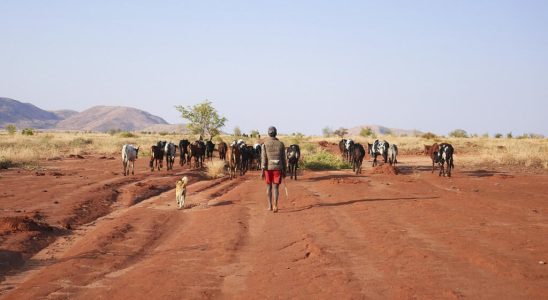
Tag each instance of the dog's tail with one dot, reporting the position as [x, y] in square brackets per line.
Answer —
[184, 181]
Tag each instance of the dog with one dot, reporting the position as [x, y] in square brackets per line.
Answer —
[180, 192]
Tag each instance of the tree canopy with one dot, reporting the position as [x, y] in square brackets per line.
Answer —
[203, 119]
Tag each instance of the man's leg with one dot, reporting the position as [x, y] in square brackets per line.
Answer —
[269, 195]
[276, 194]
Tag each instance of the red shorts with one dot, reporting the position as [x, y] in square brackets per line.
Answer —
[273, 176]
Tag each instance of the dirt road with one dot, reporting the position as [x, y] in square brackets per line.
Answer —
[479, 234]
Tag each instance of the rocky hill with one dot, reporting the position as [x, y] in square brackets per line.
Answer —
[25, 115]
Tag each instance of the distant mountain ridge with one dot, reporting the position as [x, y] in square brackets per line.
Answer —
[25, 115]
[378, 129]
[97, 118]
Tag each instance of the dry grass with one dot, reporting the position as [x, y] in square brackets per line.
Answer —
[215, 169]
[19, 150]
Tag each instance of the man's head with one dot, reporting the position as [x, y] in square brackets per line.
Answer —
[272, 131]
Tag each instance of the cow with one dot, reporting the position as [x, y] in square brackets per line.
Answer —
[197, 150]
[129, 155]
[209, 147]
[357, 158]
[293, 153]
[444, 157]
[244, 157]
[170, 151]
[157, 155]
[349, 148]
[250, 157]
[222, 150]
[342, 148]
[233, 159]
[183, 152]
[257, 153]
[393, 154]
[433, 153]
[378, 148]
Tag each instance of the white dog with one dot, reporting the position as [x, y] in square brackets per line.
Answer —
[180, 192]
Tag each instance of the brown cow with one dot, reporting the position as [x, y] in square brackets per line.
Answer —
[233, 154]
[432, 151]
[222, 150]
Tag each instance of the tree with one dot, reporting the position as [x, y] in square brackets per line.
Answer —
[327, 132]
[458, 133]
[498, 135]
[203, 117]
[11, 129]
[27, 131]
[341, 132]
[237, 131]
[254, 133]
[509, 135]
[367, 131]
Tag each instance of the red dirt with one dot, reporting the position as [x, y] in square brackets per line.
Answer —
[478, 234]
[385, 169]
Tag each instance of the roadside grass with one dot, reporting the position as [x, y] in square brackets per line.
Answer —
[215, 169]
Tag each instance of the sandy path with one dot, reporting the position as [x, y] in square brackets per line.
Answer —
[476, 235]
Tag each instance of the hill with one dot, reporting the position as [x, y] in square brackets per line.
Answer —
[104, 118]
[25, 115]
[378, 129]
[64, 113]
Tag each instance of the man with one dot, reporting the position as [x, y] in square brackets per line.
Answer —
[273, 166]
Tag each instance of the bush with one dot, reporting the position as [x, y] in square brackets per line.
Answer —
[509, 135]
[11, 129]
[27, 131]
[429, 136]
[498, 135]
[458, 133]
[127, 134]
[114, 131]
[78, 142]
[6, 163]
[366, 132]
[323, 160]
[215, 169]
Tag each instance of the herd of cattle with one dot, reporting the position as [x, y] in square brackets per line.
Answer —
[239, 156]
[354, 154]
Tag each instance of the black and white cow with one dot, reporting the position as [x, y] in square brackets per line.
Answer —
[293, 154]
[257, 153]
[444, 157]
[357, 158]
[342, 148]
[170, 151]
[393, 154]
[183, 152]
[378, 148]
[157, 155]
[349, 149]
[129, 155]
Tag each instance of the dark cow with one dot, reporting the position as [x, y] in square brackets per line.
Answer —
[293, 153]
[170, 151]
[244, 157]
[197, 151]
[157, 155]
[223, 147]
[433, 153]
[393, 154]
[357, 158]
[444, 157]
[183, 152]
[378, 148]
[209, 147]
[257, 155]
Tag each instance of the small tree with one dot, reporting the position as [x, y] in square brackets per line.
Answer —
[458, 133]
[254, 134]
[341, 132]
[11, 129]
[367, 131]
[237, 131]
[327, 132]
[498, 135]
[203, 117]
[509, 135]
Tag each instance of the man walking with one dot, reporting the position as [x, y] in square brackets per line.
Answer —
[273, 166]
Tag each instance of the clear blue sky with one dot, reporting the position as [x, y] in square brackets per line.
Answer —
[301, 65]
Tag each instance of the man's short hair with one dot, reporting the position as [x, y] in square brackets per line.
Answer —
[272, 131]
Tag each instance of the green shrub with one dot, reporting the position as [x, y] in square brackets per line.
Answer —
[127, 134]
[323, 160]
[27, 131]
[458, 133]
[11, 129]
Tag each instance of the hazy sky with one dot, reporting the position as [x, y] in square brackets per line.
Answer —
[301, 65]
